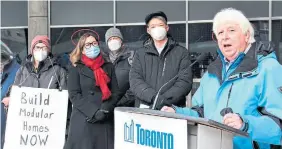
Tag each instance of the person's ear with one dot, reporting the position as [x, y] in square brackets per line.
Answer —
[148, 30]
[247, 36]
[167, 28]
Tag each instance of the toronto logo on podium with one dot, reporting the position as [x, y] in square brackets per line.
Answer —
[134, 133]
[129, 132]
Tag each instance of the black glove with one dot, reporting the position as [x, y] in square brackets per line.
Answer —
[99, 116]
[109, 105]
[127, 100]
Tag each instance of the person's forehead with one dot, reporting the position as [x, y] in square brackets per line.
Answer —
[90, 39]
[228, 24]
[40, 45]
[155, 21]
[114, 37]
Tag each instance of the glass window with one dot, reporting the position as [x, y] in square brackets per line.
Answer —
[276, 8]
[16, 40]
[200, 41]
[210, 8]
[61, 38]
[14, 13]
[277, 38]
[135, 35]
[261, 30]
[81, 12]
[136, 11]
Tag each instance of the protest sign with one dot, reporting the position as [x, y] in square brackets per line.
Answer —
[36, 118]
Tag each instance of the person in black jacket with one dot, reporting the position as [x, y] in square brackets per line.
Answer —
[93, 91]
[160, 60]
[122, 58]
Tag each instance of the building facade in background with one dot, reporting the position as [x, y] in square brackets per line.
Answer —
[190, 23]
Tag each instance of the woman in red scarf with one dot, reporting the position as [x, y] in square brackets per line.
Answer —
[93, 91]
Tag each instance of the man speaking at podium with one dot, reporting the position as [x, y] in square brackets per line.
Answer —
[243, 86]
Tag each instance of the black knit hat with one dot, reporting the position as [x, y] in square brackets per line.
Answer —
[155, 14]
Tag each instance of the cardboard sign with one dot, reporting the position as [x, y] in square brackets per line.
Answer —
[140, 131]
[36, 118]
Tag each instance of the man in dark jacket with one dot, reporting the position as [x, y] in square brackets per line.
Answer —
[122, 58]
[160, 73]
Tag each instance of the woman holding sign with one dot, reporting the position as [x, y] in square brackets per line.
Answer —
[93, 91]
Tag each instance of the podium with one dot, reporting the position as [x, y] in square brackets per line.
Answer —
[147, 129]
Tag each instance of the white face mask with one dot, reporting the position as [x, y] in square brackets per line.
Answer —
[40, 55]
[158, 33]
[114, 45]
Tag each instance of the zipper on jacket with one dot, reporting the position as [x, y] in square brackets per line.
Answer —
[164, 67]
[50, 82]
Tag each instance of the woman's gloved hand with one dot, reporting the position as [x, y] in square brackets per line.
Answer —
[100, 115]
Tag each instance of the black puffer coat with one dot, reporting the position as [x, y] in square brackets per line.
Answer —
[151, 70]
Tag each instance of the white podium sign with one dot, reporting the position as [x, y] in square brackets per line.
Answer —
[36, 119]
[138, 131]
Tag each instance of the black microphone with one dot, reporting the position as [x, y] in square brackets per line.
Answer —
[200, 58]
[227, 110]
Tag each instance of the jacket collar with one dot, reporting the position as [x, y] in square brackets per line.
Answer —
[45, 65]
[246, 63]
[125, 53]
[84, 70]
[150, 46]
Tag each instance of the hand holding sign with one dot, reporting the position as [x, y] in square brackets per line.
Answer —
[6, 101]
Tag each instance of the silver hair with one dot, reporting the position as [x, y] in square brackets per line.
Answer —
[234, 15]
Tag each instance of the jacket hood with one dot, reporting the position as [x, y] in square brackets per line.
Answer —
[43, 66]
[125, 54]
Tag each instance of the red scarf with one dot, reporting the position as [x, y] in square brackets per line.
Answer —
[100, 76]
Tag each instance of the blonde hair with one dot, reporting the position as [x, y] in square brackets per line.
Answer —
[75, 55]
[231, 14]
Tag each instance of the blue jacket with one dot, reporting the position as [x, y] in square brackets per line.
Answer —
[256, 95]
[7, 79]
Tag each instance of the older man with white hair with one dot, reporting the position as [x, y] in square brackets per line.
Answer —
[242, 87]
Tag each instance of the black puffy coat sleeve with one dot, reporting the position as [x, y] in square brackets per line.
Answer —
[183, 84]
[138, 86]
[127, 99]
[79, 102]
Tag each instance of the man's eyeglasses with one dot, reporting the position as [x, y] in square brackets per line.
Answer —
[88, 45]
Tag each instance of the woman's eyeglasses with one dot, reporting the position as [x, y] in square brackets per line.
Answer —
[88, 45]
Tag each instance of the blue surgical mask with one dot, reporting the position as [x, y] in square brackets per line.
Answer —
[92, 52]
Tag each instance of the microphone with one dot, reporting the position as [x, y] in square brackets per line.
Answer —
[227, 110]
[200, 58]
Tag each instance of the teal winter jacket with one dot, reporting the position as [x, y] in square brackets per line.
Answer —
[254, 84]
